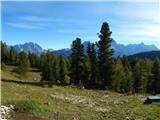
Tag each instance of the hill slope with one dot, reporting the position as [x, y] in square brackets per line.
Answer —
[146, 55]
[73, 103]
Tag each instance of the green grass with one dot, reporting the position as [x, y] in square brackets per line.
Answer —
[73, 102]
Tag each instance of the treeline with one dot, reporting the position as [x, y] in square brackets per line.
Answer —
[96, 70]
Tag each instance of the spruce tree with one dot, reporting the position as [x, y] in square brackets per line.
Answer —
[93, 64]
[33, 58]
[23, 64]
[128, 87]
[118, 82]
[86, 72]
[105, 56]
[77, 61]
[89, 49]
[13, 56]
[156, 76]
[48, 68]
[63, 72]
[140, 77]
[122, 81]
[4, 53]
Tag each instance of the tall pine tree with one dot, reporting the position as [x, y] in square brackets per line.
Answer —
[105, 56]
[13, 56]
[23, 64]
[4, 53]
[77, 62]
[93, 64]
[63, 72]
[156, 76]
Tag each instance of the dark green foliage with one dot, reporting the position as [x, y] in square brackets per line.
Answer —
[49, 68]
[141, 76]
[92, 70]
[4, 53]
[105, 56]
[137, 78]
[156, 76]
[92, 63]
[13, 56]
[86, 72]
[119, 77]
[77, 62]
[63, 72]
[23, 64]
[34, 60]
[93, 60]
[122, 80]
[128, 86]
[152, 55]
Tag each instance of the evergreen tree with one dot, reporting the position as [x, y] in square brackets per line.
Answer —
[140, 77]
[63, 72]
[125, 62]
[42, 60]
[122, 81]
[77, 61]
[13, 56]
[137, 77]
[89, 49]
[156, 76]
[93, 64]
[34, 60]
[56, 70]
[119, 77]
[86, 72]
[149, 76]
[4, 53]
[146, 73]
[23, 64]
[105, 56]
[48, 66]
[128, 80]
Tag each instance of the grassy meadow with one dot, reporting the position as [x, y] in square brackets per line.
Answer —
[71, 102]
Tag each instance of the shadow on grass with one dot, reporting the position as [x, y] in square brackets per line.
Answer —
[35, 70]
[36, 83]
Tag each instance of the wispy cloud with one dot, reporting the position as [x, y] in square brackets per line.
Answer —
[35, 19]
[76, 31]
[24, 26]
[139, 30]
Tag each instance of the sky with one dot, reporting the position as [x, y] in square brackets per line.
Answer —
[55, 25]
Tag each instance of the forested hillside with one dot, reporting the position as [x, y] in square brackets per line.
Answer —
[92, 71]
[152, 55]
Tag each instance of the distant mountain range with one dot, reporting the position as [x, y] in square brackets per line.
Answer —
[120, 49]
[30, 46]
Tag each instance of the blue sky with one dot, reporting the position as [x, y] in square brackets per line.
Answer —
[56, 24]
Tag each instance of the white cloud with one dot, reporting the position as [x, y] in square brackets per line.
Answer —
[76, 31]
[141, 30]
[25, 26]
[36, 19]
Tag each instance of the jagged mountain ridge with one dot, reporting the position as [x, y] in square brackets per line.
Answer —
[30, 46]
[120, 49]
